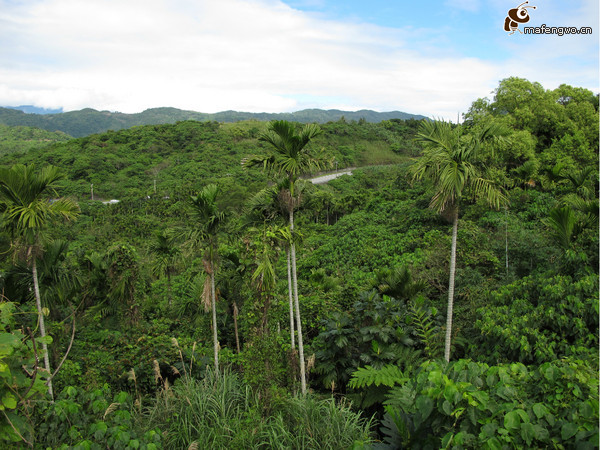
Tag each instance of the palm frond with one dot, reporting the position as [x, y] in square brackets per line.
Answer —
[488, 190]
[438, 133]
[562, 223]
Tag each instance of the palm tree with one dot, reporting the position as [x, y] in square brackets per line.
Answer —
[207, 220]
[264, 277]
[26, 213]
[291, 158]
[167, 254]
[270, 206]
[264, 208]
[123, 274]
[450, 160]
[397, 283]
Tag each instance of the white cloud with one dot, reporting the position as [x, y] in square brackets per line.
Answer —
[250, 55]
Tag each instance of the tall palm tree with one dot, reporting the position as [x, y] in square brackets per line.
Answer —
[290, 157]
[265, 207]
[207, 220]
[26, 212]
[270, 205]
[451, 161]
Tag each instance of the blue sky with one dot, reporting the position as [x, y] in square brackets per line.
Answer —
[432, 58]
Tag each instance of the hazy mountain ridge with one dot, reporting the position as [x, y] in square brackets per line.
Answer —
[90, 121]
[30, 109]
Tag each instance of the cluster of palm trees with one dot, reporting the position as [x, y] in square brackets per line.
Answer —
[290, 158]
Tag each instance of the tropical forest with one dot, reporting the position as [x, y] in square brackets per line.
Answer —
[276, 284]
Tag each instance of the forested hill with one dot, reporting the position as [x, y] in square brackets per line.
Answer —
[185, 155]
[89, 121]
[21, 139]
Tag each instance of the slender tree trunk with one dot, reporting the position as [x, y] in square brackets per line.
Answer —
[38, 304]
[506, 238]
[235, 327]
[169, 291]
[291, 297]
[297, 306]
[451, 285]
[214, 316]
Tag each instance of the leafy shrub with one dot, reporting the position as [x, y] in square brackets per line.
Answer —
[21, 378]
[380, 330]
[264, 365]
[466, 404]
[539, 319]
[90, 420]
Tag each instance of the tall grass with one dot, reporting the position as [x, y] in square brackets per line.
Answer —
[315, 424]
[223, 413]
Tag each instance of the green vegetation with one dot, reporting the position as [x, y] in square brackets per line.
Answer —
[188, 308]
[19, 139]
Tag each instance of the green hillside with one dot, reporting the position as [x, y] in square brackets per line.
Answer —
[186, 155]
[19, 139]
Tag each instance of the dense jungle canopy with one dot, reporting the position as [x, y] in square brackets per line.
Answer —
[176, 306]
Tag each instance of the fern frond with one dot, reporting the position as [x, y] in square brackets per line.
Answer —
[425, 328]
[389, 375]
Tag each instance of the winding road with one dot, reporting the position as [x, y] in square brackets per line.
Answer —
[322, 179]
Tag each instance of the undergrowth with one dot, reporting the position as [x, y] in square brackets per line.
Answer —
[222, 412]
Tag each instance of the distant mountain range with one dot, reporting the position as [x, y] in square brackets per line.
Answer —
[30, 109]
[89, 121]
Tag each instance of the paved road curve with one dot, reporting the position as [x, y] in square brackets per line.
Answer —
[326, 178]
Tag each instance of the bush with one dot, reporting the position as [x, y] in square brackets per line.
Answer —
[539, 319]
[92, 420]
[466, 404]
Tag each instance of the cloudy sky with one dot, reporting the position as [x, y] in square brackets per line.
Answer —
[423, 57]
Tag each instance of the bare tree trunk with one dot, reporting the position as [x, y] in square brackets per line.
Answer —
[214, 316]
[38, 304]
[451, 285]
[297, 306]
[291, 295]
